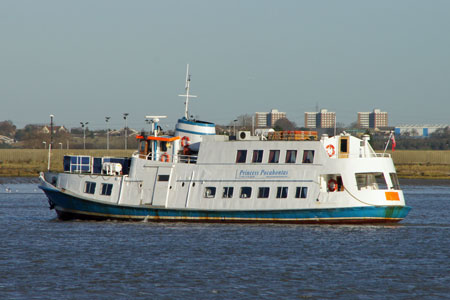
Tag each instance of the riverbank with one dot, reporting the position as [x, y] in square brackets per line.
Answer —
[29, 162]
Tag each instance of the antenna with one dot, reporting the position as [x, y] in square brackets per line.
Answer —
[154, 120]
[186, 102]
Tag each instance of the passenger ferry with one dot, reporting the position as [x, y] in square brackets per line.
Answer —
[196, 175]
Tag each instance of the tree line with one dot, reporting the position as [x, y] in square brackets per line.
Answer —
[32, 136]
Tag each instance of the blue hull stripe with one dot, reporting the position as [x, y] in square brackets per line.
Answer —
[184, 121]
[80, 208]
[193, 132]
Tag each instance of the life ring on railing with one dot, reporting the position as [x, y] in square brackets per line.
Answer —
[165, 157]
[332, 185]
[330, 150]
[185, 141]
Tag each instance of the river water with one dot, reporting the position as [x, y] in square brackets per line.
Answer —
[43, 258]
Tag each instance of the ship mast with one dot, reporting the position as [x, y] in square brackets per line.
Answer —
[186, 102]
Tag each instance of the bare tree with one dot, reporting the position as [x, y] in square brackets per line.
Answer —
[7, 128]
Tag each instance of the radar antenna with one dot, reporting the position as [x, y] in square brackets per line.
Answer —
[186, 102]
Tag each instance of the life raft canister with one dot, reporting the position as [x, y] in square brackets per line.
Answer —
[332, 185]
[165, 157]
[330, 150]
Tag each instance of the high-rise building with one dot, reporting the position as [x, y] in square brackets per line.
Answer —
[260, 119]
[374, 119]
[310, 119]
[322, 119]
[268, 119]
[363, 119]
[274, 116]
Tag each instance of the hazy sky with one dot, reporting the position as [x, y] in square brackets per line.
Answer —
[84, 60]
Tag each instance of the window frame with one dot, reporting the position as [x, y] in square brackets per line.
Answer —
[209, 192]
[106, 189]
[257, 156]
[307, 155]
[370, 181]
[227, 192]
[163, 177]
[394, 181]
[247, 188]
[289, 155]
[241, 156]
[274, 157]
[301, 192]
[89, 187]
[263, 192]
[282, 192]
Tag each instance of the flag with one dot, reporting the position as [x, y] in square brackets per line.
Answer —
[393, 142]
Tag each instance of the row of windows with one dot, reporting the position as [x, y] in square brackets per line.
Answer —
[274, 156]
[263, 192]
[89, 188]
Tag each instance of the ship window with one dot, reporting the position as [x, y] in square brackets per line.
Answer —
[106, 189]
[257, 156]
[89, 187]
[163, 177]
[263, 192]
[371, 181]
[163, 146]
[301, 192]
[344, 145]
[246, 192]
[227, 192]
[241, 156]
[291, 156]
[308, 156]
[394, 179]
[210, 192]
[282, 192]
[274, 156]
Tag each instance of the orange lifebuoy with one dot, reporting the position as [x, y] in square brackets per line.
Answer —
[165, 157]
[185, 141]
[332, 185]
[330, 150]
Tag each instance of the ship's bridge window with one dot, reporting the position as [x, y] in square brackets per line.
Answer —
[210, 192]
[301, 192]
[257, 156]
[246, 192]
[263, 192]
[274, 156]
[282, 192]
[241, 156]
[227, 192]
[371, 181]
[394, 180]
[89, 187]
[308, 156]
[291, 156]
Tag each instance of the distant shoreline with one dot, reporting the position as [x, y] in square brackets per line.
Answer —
[27, 163]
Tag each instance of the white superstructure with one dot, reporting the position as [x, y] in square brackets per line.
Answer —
[196, 175]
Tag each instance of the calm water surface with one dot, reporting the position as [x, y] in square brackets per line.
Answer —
[43, 258]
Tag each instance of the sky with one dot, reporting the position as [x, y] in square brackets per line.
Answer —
[84, 60]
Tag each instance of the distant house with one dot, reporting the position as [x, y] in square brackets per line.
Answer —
[6, 140]
[131, 132]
